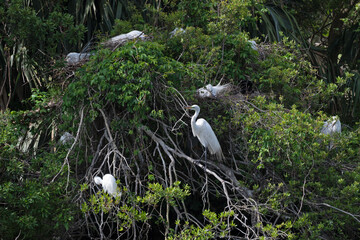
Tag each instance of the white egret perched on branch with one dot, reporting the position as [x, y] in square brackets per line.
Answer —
[203, 131]
[108, 183]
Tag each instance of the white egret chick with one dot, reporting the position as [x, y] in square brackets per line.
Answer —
[203, 131]
[109, 184]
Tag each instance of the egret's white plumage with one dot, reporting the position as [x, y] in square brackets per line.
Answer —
[74, 57]
[123, 38]
[203, 131]
[129, 36]
[213, 91]
[177, 31]
[108, 183]
[67, 138]
[331, 127]
[253, 45]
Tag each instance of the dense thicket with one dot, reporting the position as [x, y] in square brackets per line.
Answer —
[125, 109]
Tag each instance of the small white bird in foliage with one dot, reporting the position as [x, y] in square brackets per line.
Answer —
[331, 127]
[108, 183]
[203, 131]
[253, 45]
[177, 31]
[213, 91]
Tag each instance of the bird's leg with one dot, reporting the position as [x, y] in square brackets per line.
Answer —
[204, 190]
[202, 155]
[205, 157]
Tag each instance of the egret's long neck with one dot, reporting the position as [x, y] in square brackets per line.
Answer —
[193, 120]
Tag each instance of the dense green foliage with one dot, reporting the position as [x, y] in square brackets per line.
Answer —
[32, 38]
[33, 205]
[281, 177]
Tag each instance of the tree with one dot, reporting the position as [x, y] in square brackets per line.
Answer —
[124, 108]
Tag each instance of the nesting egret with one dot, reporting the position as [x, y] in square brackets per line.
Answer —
[213, 91]
[331, 127]
[122, 38]
[108, 183]
[74, 57]
[129, 36]
[203, 131]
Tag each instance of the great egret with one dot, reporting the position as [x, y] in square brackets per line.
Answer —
[203, 131]
[109, 184]
[213, 91]
[331, 127]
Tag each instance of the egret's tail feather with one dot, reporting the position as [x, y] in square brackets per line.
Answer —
[220, 156]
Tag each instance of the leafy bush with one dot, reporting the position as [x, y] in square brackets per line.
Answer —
[33, 206]
[286, 75]
[299, 171]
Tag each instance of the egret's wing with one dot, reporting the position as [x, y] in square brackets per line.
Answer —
[209, 87]
[337, 126]
[325, 129]
[220, 88]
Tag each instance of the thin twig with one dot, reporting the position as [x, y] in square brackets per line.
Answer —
[66, 161]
